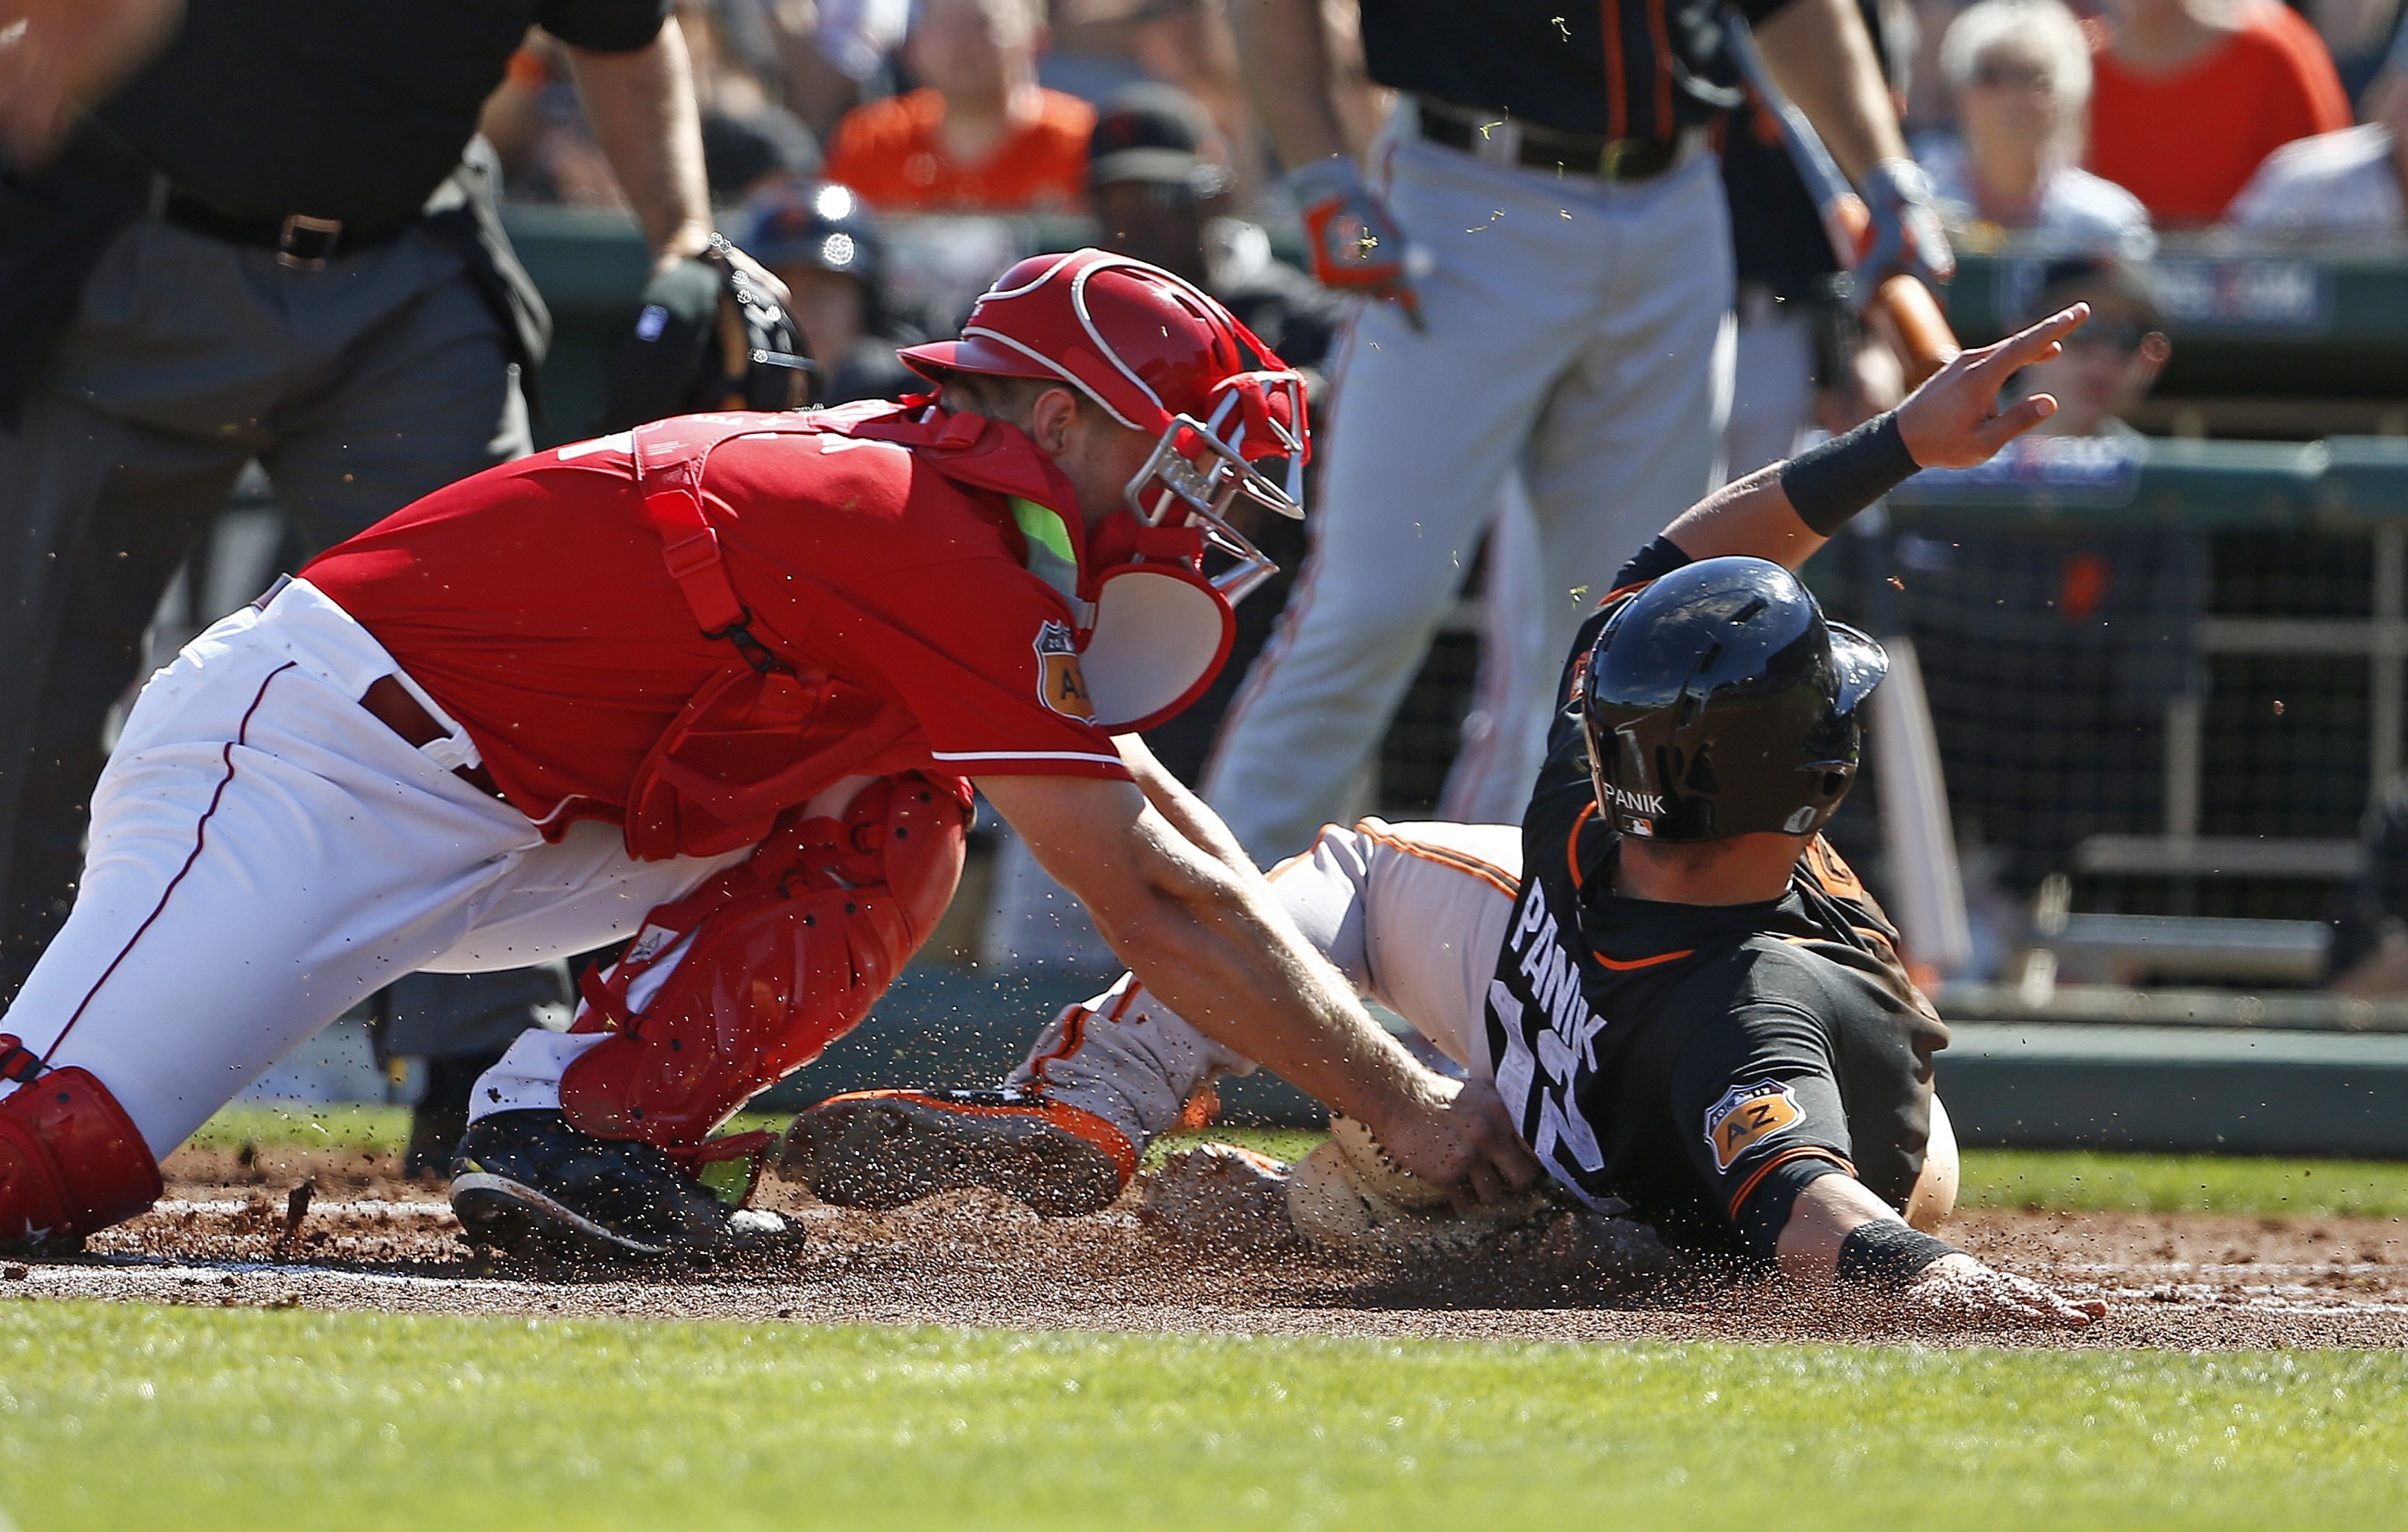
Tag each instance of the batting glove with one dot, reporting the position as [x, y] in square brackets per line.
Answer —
[1357, 247]
[1904, 236]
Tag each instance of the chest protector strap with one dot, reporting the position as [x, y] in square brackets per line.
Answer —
[672, 488]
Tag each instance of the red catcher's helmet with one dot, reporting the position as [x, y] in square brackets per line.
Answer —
[1161, 356]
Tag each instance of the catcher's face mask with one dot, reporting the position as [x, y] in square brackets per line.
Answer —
[1200, 469]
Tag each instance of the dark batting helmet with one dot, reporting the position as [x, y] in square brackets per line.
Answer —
[1719, 702]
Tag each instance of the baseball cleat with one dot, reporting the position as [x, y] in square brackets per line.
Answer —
[883, 1149]
[528, 1184]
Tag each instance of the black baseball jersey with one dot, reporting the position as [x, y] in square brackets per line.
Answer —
[1619, 68]
[274, 106]
[1701, 1063]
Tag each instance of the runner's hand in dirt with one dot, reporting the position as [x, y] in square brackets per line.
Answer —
[1953, 420]
[1959, 1287]
[1457, 1134]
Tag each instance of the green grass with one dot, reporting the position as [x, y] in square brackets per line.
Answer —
[359, 1128]
[134, 1416]
[1994, 1178]
[1289, 1144]
[2263, 1188]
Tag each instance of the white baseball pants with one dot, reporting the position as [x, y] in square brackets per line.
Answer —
[1580, 324]
[265, 854]
[1773, 395]
[1414, 915]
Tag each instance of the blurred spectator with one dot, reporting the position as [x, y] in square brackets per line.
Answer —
[539, 133]
[1160, 188]
[748, 140]
[833, 54]
[2358, 33]
[1101, 46]
[1091, 48]
[824, 245]
[2338, 183]
[2020, 72]
[2108, 365]
[548, 155]
[981, 136]
[2189, 99]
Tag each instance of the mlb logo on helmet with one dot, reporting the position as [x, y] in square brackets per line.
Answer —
[1059, 684]
[1746, 1116]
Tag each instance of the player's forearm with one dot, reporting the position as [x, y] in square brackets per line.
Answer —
[1212, 945]
[1188, 814]
[642, 109]
[1286, 61]
[1750, 517]
[1827, 1211]
[1823, 59]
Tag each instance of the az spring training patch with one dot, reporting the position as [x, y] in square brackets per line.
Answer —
[1746, 1116]
[1060, 684]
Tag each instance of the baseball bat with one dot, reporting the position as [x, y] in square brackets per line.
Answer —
[1922, 329]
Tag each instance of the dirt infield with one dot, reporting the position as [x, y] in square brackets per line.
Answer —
[371, 1241]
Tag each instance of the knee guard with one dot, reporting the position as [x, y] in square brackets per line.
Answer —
[71, 1162]
[771, 960]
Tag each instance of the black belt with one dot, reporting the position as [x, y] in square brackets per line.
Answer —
[300, 241]
[1543, 148]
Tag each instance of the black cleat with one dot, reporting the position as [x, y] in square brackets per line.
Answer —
[883, 1149]
[528, 1184]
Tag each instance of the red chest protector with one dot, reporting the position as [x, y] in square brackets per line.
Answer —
[771, 730]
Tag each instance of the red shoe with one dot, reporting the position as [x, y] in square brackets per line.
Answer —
[882, 1149]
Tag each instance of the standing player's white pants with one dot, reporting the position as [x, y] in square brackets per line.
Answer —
[1773, 393]
[1505, 734]
[1583, 319]
[265, 854]
[1414, 915]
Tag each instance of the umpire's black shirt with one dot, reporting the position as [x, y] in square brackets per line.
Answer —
[1701, 1063]
[1615, 69]
[346, 111]
[265, 108]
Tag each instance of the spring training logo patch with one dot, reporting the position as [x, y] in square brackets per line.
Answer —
[1746, 1116]
[1060, 684]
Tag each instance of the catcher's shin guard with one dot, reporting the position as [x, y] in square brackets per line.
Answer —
[71, 1162]
[774, 959]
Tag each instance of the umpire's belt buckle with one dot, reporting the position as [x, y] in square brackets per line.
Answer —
[305, 242]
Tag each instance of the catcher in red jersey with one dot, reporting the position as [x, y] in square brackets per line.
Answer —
[1695, 1013]
[718, 685]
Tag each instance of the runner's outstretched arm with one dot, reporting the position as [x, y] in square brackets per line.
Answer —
[1832, 1210]
[1786, 511]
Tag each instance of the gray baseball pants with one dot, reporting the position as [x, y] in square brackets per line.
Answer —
[1581, 327]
